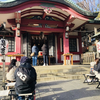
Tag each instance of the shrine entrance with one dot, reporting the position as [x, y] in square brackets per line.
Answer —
[36, 39]
[49, 41]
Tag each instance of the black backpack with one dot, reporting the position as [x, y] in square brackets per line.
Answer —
[26, 74]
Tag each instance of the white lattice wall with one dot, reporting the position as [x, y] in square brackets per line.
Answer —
[75, 58]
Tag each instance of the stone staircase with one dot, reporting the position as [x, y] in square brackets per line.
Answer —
[61, 72]
[55, 73]
[58, 72]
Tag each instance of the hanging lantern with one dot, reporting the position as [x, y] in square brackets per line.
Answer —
[66, 35]
[18, 26]
[67, 28]
[18, 33]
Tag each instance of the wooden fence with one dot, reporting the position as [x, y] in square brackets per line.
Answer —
[87, 57]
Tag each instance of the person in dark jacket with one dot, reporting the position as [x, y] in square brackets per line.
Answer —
[97, 65]
[96, 69]
[25, 77]
[45, 57]
[34, 58]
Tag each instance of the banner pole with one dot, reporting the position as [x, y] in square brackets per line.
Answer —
[3, 81]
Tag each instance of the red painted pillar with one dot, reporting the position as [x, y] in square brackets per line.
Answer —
[65, 44]
[58, 49]
[80, 43]
[18, 46]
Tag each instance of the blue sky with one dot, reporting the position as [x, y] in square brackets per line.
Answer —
[6, 0]
[96, 1]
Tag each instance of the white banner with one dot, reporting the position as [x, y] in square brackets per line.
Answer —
[6, 46]
[98, 47]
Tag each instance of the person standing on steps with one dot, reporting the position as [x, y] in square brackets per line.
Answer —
[45, 57]
[34, 58]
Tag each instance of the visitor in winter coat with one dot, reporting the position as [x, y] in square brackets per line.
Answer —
[45, 56]
[34, 58]
[11, 70]
[97, 68]
[97, 65]
[25, 76]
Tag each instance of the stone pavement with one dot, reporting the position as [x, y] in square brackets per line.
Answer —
[67, 90]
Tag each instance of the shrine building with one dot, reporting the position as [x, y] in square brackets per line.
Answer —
[58, 23]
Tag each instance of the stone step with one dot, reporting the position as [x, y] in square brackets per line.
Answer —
[61, 73]
[58, 72]
[72, 77]
[58, 76]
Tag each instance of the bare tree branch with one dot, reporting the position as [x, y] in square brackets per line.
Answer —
[89, 5]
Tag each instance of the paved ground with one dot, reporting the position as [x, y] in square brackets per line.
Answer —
[67, 90]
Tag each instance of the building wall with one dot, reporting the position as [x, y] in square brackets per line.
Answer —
[76, 56]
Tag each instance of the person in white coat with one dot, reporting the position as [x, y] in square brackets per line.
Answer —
[11, 70]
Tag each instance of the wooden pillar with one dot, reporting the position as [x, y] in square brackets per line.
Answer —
[18, 46]
[80, 43]
[18, 36]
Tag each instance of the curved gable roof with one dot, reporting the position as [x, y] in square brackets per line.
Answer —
[68, 3]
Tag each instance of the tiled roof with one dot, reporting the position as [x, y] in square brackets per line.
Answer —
[68, 3]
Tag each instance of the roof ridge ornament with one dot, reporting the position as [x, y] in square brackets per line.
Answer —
[98, 16]
[47, 10]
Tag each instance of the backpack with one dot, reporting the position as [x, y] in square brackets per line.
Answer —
[25, 74]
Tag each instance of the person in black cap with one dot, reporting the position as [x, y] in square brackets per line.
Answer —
[25, 76]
